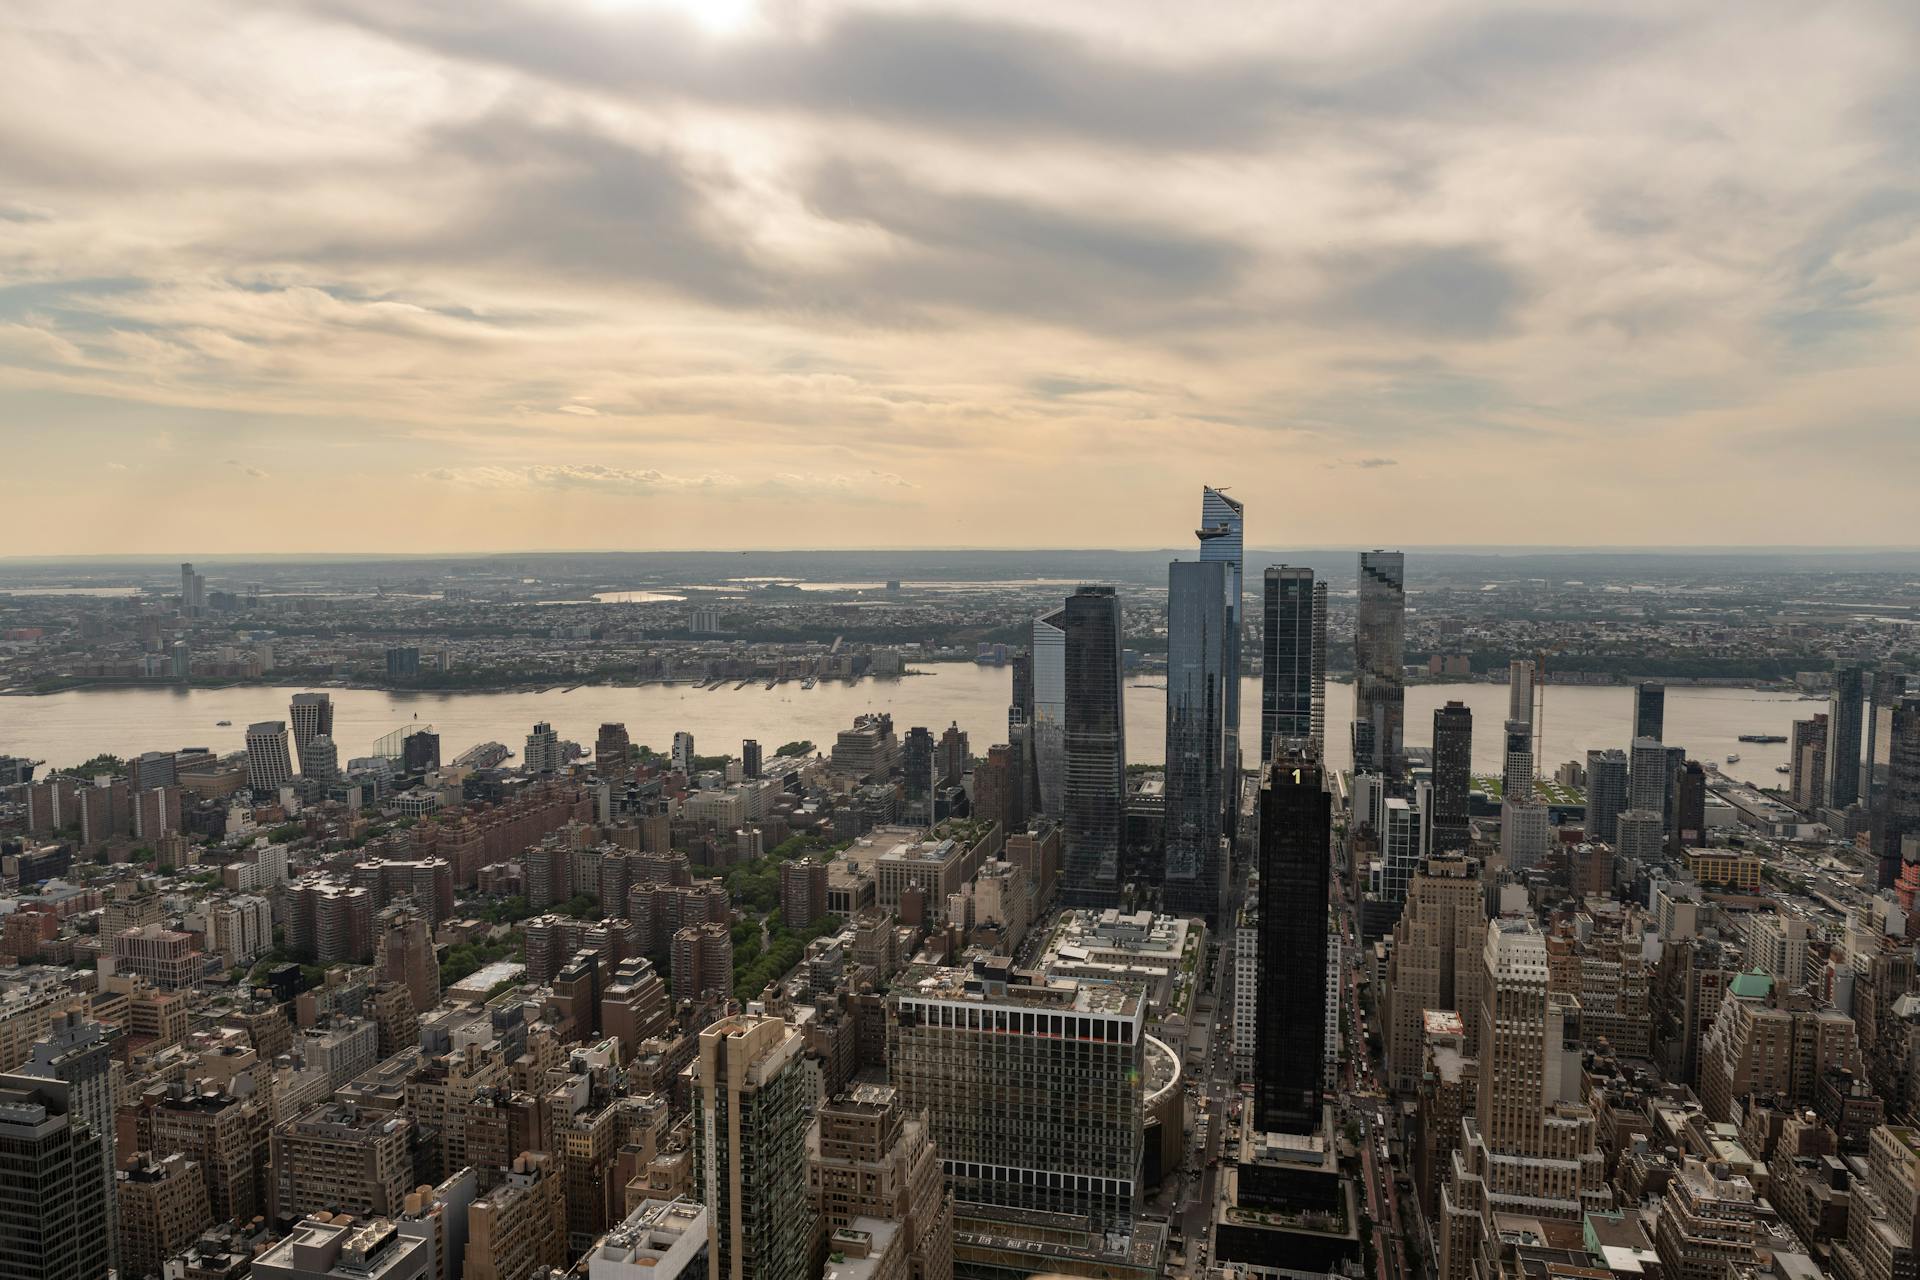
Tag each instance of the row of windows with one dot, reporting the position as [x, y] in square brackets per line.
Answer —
[1100, 1030]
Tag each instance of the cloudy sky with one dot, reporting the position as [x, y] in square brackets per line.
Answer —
[448, 274]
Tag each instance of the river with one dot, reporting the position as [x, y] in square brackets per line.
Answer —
[66, 728]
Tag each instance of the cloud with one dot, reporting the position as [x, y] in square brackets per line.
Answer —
[1443, 292]
[247, 469]
[570, 476]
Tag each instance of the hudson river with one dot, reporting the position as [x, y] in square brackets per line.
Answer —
[67, 728]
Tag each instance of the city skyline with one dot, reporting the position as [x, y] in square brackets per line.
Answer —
[542, 270]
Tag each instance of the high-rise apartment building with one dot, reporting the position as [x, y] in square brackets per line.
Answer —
[1708, 1224]
[751, 765]
[1606, 793]
[1647, 775]
[405, 953]
[869, 1158]
[1884, 694]
[611, 747]
[1296, 827]
[312, 716]
[520, 1225]
[1883, 1218]
[1197, 654]
[683, 751]
[1807, 761]
[1034, 1091]
[1450, 828]
[543, 750]
[342, 1158]
[269, 765]
[403, 660]
[753, 1094]
[1096, 746]
[320, 759]
[1379, 652]
[162, 1205]
[1291, 678]
[1435, 962]
[52, 1193]
[1222, 535]
[1846, 717]
[1649, 711]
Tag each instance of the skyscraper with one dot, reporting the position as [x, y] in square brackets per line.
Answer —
[1292, 621]
[543, 750]
[1520, 691]
[611, 747]
[1197, 656]
[78, 1052]
[1647, 775]
[751, 763]
[1807, 761]
[869, 1158]
[683, 751]
[1379, 653]
[1222, 534]
[1049, 715]
[1606, 792]
[312, 717]
[1895, 832]
[1452, 777]
[1516, 772]
[269, 766]
[1649, 710]
[1844, 722]
[1884, 696]
[1296, 826]
[52, 1192]
[752, 1107]
[1096, 748]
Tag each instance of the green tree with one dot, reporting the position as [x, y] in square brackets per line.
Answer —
[802, 747]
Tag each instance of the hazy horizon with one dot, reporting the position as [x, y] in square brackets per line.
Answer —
[334, 276]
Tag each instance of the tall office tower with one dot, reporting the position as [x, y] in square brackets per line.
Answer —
[951, 755]
[683, 751]
[1049, 718]
[1687, 827]
[420, 751]
[1287, 670]
[1435, 961]
[1895, 831]
[312, 717]
[1452, 777]
[1516, 772]
[1020, 708]
[1222, 535]
[753, 1094]
[404, 943]
[269, 766]
[1197, 655]
[79, 1053]
[870, 1159]
[1884, 695]
[1647, 775]
[193, 592]
[611, 747]
[1606, 792]
[751, 765]
[1021, 1124]
[1402, 844]
[543, 750]
[52, 1193]
[1096, 747]
[1525, 833]
[1520, 675]
[1379, 655]
[1296, 858]
[1807, 761]
[1649, 710]
[1530, 1147]
[1844, 720]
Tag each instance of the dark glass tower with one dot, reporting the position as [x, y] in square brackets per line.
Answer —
[1196, 734]
[1290, 1015]
[1688, 829]
[1379, 654]
[1896, 813]
[1095, 772]
[1845, 719]
[52, 1185]
[1649, 711]
[1222, 535]
[1452, 776]
[1606, 793]
[1289, 621]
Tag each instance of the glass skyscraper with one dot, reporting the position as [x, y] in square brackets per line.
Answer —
[1452, 776]
[1222, 534]
[1095, 789]
[1048, 704]
[1650, 711]
[1293, 627]
[1196, 734]
[1844, 721]
[1296, 825]
[1379, 652]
